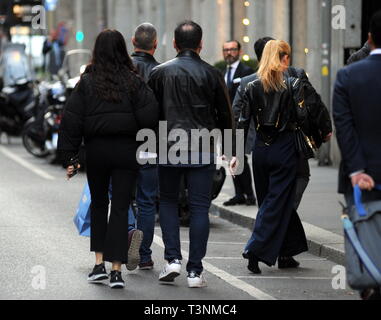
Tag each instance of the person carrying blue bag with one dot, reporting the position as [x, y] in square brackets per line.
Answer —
[109, 105]
[357, 115]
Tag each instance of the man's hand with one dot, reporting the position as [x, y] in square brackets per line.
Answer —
[364, 181]
[233, 166]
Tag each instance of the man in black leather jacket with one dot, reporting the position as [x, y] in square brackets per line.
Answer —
[191, 95]
[145, 44]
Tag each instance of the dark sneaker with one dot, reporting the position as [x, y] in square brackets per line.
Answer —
[235, 201]
[135, 238]
[98, 274]
[146, 265]
[251, 202]
[116, 280]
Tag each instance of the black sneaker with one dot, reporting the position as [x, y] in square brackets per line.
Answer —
[116, 280]
[98, 274]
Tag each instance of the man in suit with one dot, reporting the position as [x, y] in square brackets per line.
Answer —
[235, 71]
[357, 114]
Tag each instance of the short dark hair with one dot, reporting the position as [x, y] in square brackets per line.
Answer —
[375, 29]
[259, 46]
[236, 41]
[188, 35]
[145, 36]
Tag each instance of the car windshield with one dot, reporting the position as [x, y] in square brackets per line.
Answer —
[74, 62]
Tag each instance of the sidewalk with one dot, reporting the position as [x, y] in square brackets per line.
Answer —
[320, 212]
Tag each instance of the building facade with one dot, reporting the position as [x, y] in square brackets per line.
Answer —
[322, 32]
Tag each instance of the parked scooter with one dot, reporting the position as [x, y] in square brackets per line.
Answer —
[18, 99]
[40, 134]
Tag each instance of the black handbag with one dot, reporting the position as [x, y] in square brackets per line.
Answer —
[303, 144]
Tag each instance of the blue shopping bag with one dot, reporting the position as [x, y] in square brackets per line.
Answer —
[82, 217]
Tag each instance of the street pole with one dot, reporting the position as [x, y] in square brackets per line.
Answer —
[326, 47]
[79, 20]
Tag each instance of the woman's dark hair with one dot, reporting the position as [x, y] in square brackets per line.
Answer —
[375, 29]
[111, 67]
[188, 35]
[259, 46]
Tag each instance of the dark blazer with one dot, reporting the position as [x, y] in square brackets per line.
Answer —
[357, 116]
[241, 72]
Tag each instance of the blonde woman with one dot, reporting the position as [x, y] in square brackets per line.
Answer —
[278, 233]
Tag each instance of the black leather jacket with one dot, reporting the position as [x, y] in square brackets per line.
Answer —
[273, 112]
[191, 94]
[144, 62]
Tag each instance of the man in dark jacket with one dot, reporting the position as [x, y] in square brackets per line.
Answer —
[145, 44]
[191, 95]
[235, 71]
[357, 114]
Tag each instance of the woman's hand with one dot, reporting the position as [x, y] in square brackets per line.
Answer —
[233, 166]
[70, 171]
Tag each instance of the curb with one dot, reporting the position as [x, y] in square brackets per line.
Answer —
[321, 243]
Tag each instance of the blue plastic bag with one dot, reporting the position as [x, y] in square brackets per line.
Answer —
[82, 218]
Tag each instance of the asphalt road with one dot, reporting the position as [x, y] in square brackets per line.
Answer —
[42, 256]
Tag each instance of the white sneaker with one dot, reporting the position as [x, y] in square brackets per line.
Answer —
[196, 280]
[170, 271]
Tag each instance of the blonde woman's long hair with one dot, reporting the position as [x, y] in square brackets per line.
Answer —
[271, 69]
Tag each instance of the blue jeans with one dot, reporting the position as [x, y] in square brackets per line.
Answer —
[199, 181]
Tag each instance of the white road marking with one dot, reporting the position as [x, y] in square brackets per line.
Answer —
[230, 279]
[25, 164]
[282, 278]
[223, 243]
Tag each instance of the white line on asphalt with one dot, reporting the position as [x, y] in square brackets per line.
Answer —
[230, 279]
[223, 243]
[25, 164]
[282, 278]
[224, 258]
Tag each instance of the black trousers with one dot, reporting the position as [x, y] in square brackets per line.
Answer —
[243, 183]
[111, 158]
[278, 230]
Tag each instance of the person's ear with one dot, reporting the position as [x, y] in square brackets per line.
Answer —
[370, 40]
[200, 46]
[133, 41]
[175, 45]
[155, 44]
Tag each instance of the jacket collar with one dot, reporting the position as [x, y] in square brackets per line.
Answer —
[188, 53]
[143, 55]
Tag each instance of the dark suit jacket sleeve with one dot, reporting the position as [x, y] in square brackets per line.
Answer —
[223, 109]
[347, 136]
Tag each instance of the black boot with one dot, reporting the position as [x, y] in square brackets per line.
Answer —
[287, 263]
[253, 262]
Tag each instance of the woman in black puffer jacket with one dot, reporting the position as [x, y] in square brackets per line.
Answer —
[110, 104]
